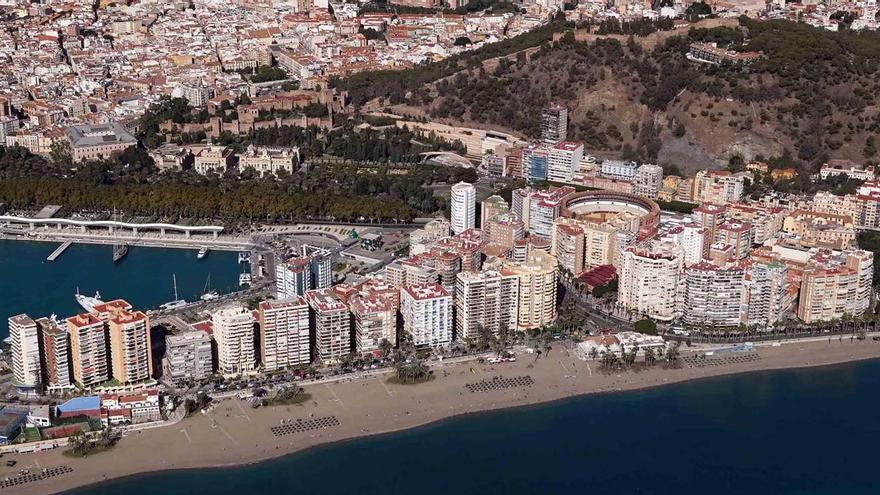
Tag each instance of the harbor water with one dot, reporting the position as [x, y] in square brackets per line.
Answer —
[776, 433]
[31, 284]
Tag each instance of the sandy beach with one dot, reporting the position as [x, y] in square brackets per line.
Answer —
[233, 433]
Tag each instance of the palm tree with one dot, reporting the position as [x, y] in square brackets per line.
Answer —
[673, 353]
[649, 356]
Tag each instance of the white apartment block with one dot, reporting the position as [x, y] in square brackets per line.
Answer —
[293, 278]
[649, 280]
[620, 170]
[648, 180]
[25, 338]
[767, 295]
[332, 323]
[234, 334]
[488, 299]
[427, 314]
[720, 187]
[197, 95]
[188, 356]
[463, 202]
[714, 295]
[564, 160]
[284, 333]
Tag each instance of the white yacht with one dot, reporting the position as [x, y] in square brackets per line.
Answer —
[87, 302]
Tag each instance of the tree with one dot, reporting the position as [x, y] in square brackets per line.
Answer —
[673, 353]
[462, 41]
[647, 326]
[649, 356]
[61, 153]
[385, 347]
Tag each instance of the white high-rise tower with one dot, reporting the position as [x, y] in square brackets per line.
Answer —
[464, 201]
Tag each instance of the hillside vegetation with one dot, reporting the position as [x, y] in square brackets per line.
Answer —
[813, 95]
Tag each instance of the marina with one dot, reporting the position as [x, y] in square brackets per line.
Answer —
[38, 287]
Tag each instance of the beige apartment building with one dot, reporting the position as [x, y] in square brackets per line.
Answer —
[130, 348]
[537, 275]
[234, 334]
[88, 350]
[331, 321]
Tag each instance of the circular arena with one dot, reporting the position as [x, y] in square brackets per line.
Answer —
[590, 202]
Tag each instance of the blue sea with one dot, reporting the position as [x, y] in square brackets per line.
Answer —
[30, 284]
[812, 431]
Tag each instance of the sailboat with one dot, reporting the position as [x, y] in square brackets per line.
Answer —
[177, 302]
[209, 294]
[119, 249]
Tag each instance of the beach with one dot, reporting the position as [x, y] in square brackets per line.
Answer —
[233, 433]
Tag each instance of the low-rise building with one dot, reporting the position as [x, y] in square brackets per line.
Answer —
[92, 142]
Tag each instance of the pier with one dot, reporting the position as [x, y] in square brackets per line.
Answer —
[55, 254]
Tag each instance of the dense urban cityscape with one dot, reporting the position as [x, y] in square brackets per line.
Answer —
[409, 243]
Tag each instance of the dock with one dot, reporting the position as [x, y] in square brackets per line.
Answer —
[55, 254]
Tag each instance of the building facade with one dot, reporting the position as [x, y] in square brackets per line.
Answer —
[235, 337]
[284, 333]
[487, 300]
[331, 321]
[26, 369]
[463, 207]
[427, 314]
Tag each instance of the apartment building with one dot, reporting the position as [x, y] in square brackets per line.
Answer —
[650, 275]
[375, 320]
[766, 221]
[426, 311]
[284, 333]
[26, 368]
[718, 186]
[564, 160]
[491, 208]
[537, 275]
[535, 162]
[130, 348]
[55, 360]
[648, 180]
[767, 296]
[331, 322]
[735, 234]
[554, 124]
[407, 272]
[487, 300]
[235, 337]
[463, 207]
[567, 244]
[188, 357]
[714, 295]
[88, 350]
[619, 170]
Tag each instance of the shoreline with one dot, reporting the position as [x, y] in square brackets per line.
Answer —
[133, 455]
[185, 244]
